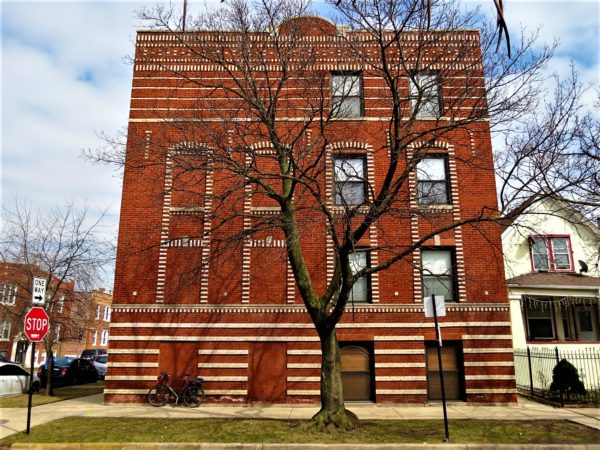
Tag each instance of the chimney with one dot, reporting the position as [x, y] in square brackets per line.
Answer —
[101, 290]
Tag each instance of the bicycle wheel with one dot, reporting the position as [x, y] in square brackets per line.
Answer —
[158, 396]
[192, 397]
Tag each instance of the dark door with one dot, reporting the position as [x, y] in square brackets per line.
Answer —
[453, 373]
[267, 378]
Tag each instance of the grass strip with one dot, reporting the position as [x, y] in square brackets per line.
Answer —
[88, 429]
[64, 393]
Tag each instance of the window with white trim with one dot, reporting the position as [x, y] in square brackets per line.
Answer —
[5, 330]
[98, 312]
[350, 184]
[94, 337]
[432, 181]
[104, 337]
[57, 333]
[425, 95]
[437, 268]
[8, 294]
[540, 322]
[551, 253]
[359, 260]
[106, 314]
[346, 94]
[60, 304]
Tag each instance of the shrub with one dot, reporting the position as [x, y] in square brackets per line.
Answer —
[565, 379]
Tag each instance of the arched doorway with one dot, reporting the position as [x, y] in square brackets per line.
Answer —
[357, 372]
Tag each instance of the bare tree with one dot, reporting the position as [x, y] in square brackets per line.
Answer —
[261, 50]
[65, 247]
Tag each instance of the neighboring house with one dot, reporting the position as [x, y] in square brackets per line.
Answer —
[15, 301]
[551, 258]
[235, 317]
[93, 330]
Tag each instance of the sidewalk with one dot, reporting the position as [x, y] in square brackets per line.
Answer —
[13, 420]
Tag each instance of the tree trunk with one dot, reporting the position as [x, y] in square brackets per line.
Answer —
[333, 415]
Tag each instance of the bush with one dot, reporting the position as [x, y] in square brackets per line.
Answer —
[565, 379]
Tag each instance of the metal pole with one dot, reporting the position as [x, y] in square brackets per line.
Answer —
[530, 370]
[30, 387]
[562, 399]
[439, 353]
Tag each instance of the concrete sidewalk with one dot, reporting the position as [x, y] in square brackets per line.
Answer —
[13, 420]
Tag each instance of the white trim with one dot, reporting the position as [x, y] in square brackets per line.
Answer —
[379, 365]
[304, 365]
[224, 378]
[488, 350]
[133, 351]
[223, 365]
[133, 364]
[489, 364]
[222, 352]
[304, 352]
[402, 378]
[303, 392]
[267, 325]
[492, 391]
[489, 377]
[131, 377]
[486, 336]
[405, 351]
[304, 379]
[401, 391]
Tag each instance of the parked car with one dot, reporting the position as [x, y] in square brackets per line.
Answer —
[91, 353]
[100, 364]
[15, 380]
[68, 371]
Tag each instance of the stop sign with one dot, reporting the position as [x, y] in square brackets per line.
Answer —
[37, 323]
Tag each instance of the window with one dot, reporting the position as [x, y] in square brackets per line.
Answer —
[104, 338]
[425, 94]
[540, 321]
[549, 253]
[4, 330]
[98, 312]
[8, 294]
[346, 95]
[360, 290]
[94, 337]
[438, 273]
[106, 314]
[60, 304]
[350, 184]
[432, 181]
[57, 333]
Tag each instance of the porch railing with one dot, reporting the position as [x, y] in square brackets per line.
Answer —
[534, 367]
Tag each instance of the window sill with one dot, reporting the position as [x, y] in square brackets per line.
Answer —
[440, 207]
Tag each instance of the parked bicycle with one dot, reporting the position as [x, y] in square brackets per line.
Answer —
[191, 391]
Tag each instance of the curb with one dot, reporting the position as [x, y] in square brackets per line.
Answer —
[249, 446]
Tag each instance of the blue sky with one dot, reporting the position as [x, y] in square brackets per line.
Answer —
[64, 80]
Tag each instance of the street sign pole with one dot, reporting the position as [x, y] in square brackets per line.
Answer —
[36, 325]
[438, 338]
[30, 387]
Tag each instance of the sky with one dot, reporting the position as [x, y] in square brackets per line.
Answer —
[65, 79]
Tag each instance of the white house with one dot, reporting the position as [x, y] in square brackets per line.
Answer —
[551, 256]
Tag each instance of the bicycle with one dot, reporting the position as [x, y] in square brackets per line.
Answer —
[191, 391]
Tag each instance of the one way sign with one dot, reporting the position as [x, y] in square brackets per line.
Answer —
[38, 294]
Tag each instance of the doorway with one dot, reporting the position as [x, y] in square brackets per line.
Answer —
[357, 371]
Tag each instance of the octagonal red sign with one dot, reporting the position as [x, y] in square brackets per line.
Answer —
[37, 324]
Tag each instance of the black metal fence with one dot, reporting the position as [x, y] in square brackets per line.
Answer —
[534, 374]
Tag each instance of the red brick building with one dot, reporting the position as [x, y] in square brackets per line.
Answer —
[184, 302]
[16, 281]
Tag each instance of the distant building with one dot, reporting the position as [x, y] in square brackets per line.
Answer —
[78, 320]
[16, 282]
[552, 261]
